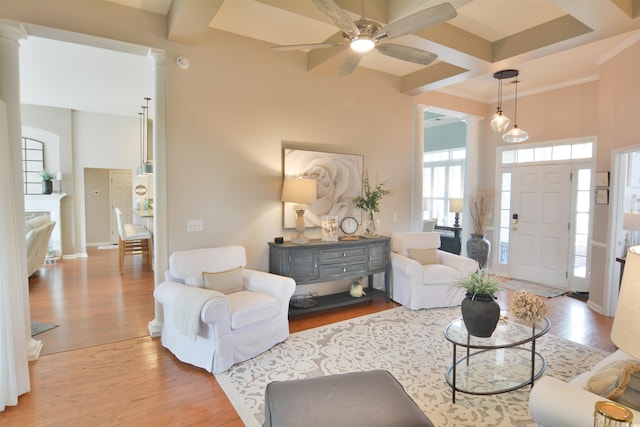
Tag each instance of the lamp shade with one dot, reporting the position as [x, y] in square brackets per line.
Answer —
[631, 221]
[625, 332]
[455, 205]
[299, 190]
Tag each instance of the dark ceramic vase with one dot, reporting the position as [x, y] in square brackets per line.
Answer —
[47, 187]
[478, 248]
[480, 315]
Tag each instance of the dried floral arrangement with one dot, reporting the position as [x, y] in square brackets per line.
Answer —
[527, 306]
[480, 208]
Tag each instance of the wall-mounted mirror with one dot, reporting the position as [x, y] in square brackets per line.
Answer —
[141, 190]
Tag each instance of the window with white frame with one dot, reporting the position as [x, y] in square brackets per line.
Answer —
[32, 165]
[443, 179]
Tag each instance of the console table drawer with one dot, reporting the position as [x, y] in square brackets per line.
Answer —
[329, 271]
[343, 255]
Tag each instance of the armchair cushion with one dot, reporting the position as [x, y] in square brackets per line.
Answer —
[248, 308]
[619, 382]
[425, 256]
[227, 282]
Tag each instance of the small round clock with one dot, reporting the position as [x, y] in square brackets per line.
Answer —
[349, 225]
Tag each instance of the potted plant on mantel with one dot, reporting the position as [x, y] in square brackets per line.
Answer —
[480, 209]
[370, 202]
[480, 311]
[47, 184]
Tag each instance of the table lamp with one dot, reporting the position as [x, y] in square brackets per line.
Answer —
[625, 333]
[456, 206]
[631, 223]
[299, 191]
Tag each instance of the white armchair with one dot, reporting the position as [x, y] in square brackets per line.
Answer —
[38, 232]
[231, 327]
[553, 402]
[429, 284]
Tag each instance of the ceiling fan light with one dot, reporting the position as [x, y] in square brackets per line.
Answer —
[515, 135]
[499, 122]
[363, 44]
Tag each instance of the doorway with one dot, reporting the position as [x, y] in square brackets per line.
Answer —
[544, 213]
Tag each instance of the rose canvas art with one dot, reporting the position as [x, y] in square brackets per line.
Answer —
[338, 178]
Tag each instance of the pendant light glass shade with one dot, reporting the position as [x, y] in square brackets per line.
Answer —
[515, 135]
[499, 122]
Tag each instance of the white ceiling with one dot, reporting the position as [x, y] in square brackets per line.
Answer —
[553, 43]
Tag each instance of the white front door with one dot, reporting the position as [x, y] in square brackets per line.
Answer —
[121, 197]
[541, 199]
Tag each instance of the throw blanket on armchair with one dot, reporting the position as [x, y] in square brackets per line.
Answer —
[187, 309]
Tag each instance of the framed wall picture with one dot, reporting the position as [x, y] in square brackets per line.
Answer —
[602, 197]
[339, 180]
[602, 179]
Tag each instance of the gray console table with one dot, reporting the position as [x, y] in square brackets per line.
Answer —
[321, 261]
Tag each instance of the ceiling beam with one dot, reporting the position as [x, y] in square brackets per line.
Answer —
[188, 20]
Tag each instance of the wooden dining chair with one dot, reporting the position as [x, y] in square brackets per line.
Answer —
[133, 239]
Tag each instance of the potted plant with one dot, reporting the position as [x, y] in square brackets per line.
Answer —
[47, 184]
[480, 311]
[370, 202]
[480, 209]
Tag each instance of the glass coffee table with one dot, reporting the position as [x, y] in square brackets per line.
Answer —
[505, 361]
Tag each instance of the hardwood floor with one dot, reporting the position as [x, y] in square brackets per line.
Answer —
[100, 367]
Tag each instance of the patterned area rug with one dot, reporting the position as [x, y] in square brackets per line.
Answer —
[540, 290]
[40, 327]
[409, 344]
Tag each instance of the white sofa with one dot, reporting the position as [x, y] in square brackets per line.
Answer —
[232, 327]
[419, 286]
[38, 232]
[555, 403]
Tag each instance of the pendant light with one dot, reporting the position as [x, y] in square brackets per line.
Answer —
[145, 168]
[499, 122]
[515, 134]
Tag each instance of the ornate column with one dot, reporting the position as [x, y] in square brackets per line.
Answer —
[160, 246]
[472, 172]
[417, 168]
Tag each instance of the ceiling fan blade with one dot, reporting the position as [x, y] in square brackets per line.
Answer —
[337, 15]
[350, 64]
[406, 53]
[307, 46]
[418, 21]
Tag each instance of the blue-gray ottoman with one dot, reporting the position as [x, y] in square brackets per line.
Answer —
[367, 399]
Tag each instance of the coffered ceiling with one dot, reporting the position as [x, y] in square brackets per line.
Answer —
[552, 42]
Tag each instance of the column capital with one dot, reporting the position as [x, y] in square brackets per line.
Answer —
[12, 30]
[158, 57]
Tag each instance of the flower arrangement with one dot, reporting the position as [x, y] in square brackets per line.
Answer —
[370, 200]
[46, 176]
[481, 283]
[480, 208]
[527, 306]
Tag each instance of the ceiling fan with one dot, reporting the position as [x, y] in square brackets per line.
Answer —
[363, 35]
